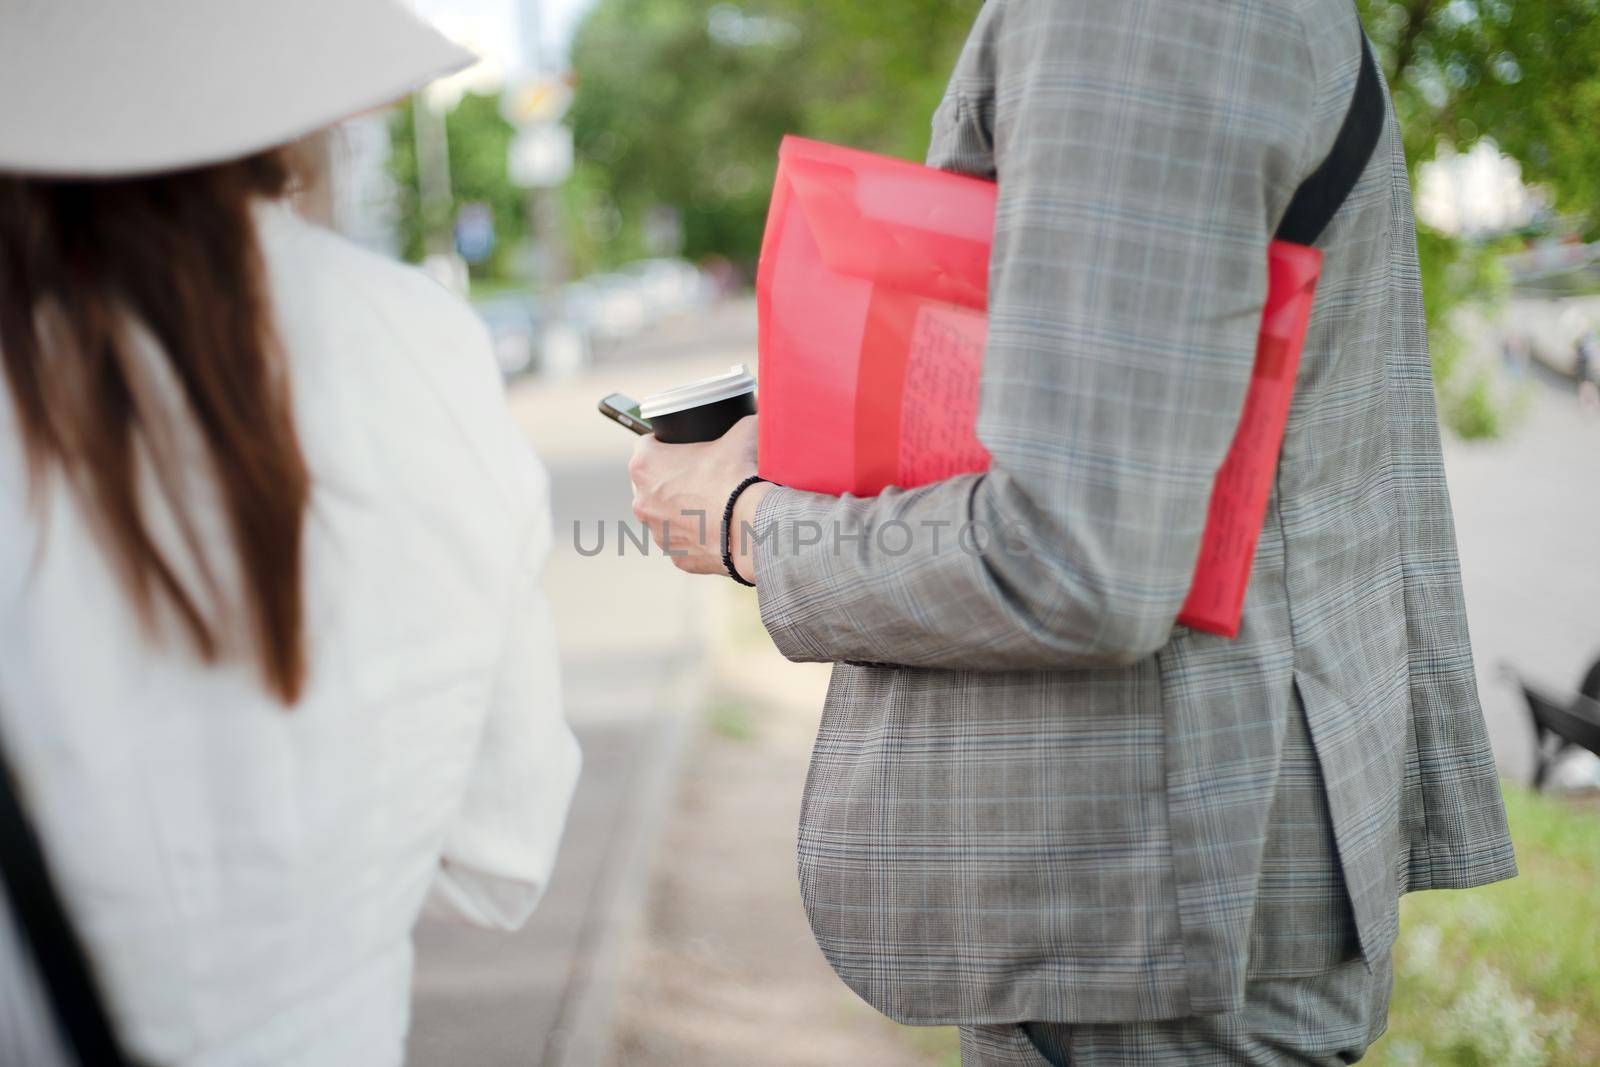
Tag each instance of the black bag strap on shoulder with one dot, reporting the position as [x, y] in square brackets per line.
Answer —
[1322, 194]
[60, 962]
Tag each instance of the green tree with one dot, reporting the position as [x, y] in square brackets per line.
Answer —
[682, 103]
[477, 136]
[1523, 74]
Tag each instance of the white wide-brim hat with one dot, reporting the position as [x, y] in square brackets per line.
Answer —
[103, 88]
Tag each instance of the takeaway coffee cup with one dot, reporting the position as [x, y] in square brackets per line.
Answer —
[702, 410]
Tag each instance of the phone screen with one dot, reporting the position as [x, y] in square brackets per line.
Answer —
[624, 411]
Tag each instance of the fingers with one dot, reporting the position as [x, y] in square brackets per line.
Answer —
[641, 479]
[644, 450]
[644, 474]
[679, 492]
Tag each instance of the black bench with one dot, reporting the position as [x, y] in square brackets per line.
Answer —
[1562, 724]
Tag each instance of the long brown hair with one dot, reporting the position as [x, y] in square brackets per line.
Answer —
[85, 266]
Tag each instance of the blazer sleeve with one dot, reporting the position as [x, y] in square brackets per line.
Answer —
[502, 843]
[1145, 151]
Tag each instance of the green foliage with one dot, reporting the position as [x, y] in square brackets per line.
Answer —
[478, 137]
[733, 720]
[1522, 73]
[1456, 274]
[1507, 975]
[683, 102]
[663, 115]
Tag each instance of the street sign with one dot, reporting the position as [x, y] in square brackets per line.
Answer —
[540, 157]
[538, 100]
[475, 231]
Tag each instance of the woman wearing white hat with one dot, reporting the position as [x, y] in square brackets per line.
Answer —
[273, 670]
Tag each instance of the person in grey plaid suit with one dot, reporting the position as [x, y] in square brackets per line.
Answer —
[1037, 808]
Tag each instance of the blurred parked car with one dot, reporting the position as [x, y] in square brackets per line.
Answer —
[559, 335]
[517, 324]
[614, 306]
[670, 286]
[618, 308]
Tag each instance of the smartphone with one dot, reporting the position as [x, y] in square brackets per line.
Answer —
[624, 411]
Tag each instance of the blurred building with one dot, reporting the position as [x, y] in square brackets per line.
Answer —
[1475, 194]
[363, 200]
[355, 193]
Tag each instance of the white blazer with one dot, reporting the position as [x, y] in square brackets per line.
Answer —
[246, 877]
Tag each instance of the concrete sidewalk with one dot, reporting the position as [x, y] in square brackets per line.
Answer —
[1528, 525]
[632, 673]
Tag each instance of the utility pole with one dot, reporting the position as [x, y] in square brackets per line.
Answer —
[533, 35]
[544, 196]
[433, 174]
[434, 200]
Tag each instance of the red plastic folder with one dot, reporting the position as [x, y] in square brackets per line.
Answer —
[873, 292]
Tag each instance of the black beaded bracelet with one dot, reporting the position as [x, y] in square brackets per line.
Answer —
[727, 521]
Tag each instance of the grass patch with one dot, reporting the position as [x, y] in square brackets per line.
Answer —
[742, 623]
[941, 1044]
[1507, 975]
[732, 720]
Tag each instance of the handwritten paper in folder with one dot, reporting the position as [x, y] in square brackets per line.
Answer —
[873, 296]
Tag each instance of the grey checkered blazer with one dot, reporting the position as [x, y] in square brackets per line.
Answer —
[1057, 805]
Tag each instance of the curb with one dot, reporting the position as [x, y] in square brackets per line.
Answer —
[585, 1032]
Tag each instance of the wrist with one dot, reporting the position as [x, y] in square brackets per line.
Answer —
[741, 546]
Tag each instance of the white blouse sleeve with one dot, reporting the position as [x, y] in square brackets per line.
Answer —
[503, 841]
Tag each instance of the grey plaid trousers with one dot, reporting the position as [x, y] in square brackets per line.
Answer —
[1323, 1021]
[1055, 805]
